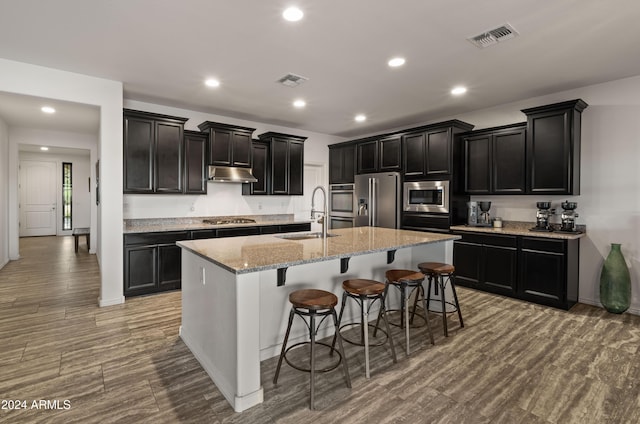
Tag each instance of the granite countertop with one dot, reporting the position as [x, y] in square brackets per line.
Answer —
[519, 228]
[152, 225]
[242, 255]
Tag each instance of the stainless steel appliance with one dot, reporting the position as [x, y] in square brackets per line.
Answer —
[568, 218]
[484, 219]
[426, 196]
[342, 206]
[472, 213]
[379, 199]
[542, 217]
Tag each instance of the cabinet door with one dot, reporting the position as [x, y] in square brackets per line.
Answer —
[549, 152]
[438, 152]
[367, 154]
[140, 269]
[335, 165]
[414, 154]
[342, 165]
[542, 277]
[508, 162]
[279, 166]
[296, 168]
[500, 269]
[169, 160]
[238, 231]
[195, 167]
[477, 161]
[391, 154]
[241, 149]
[169, 266]
[259, 169]
[139, 135]
[220, 147]
[467, 261]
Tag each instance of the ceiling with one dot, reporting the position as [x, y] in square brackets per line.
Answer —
[163, 51]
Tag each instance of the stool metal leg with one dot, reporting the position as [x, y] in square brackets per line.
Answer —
[284, 347]
[345, 367]
[405, 314]
[455, 297]
[425, 305]
[344, 303]
[312, 333]
[383, 312]
[440, 281]
[365, 327]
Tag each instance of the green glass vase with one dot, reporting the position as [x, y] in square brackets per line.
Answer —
[615, 282]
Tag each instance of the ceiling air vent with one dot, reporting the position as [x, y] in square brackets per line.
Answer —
[292, 80]
[493, 36]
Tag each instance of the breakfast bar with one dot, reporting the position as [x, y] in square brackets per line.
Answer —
[234, 291]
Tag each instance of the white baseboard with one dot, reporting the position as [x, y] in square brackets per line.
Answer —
[110, 302]
[6, 261]
[631, 310]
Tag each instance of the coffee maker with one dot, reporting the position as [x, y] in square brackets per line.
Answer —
[472, 214]
[484, 219]
[542, 217]
[569, 217]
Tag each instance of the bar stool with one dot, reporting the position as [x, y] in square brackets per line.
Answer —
[364, 291]
[313, 303]
[439, 271]
[407, 281]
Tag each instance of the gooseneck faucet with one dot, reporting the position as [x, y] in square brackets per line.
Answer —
[323, 212]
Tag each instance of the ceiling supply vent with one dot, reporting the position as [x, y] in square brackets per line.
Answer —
[493, 36]
[292, 80]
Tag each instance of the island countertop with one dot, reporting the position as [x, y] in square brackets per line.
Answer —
[247, 254]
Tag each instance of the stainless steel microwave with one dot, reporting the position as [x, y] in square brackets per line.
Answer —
[426, 196]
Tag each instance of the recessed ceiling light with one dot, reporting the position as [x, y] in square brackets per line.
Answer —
[360, 118]
[292, 14]
[299, 103]
[48, 109]
[396, 61]
[458, 90]
[211, 82]
[43, 148]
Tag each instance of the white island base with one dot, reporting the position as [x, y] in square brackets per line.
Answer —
[232, 320]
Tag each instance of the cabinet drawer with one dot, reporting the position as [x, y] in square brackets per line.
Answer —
[203, 234]
[292, 228]
[240, 231]
[425, 222]
[155, 238]
[545, 245]
[490, 240]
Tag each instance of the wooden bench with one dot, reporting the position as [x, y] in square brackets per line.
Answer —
[77, 232]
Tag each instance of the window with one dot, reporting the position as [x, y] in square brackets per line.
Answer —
[67, 191]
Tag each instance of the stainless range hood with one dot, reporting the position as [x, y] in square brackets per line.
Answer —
[228, 174]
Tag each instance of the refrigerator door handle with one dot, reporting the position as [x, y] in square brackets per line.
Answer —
[373, 213]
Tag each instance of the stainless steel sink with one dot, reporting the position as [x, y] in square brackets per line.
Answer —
[303, 236]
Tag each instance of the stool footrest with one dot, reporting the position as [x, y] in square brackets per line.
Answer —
[317, 343]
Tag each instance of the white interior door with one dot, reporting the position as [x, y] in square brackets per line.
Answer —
[37, 198]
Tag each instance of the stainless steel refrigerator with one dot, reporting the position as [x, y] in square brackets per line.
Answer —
[379, 199]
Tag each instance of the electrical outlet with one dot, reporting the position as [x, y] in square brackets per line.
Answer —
[202, 276]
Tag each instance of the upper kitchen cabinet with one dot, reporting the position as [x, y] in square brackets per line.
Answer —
[430, 151]
[195, 162]
[284, 168]
[342, 159]
[229, 145]
[553, 148]
[153, 152]
[494, 160]
[259, 168]
[380, 155]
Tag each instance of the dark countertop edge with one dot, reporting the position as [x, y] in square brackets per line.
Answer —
[518, 232]
[451, 237]
[191, 227]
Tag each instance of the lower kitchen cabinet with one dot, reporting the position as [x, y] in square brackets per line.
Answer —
[153, 261]
[537, 269]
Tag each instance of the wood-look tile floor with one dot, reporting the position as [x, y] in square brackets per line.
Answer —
[513, 362]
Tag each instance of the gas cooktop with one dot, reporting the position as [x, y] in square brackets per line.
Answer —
[222, 221]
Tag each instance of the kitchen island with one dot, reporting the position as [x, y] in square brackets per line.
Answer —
[235, 292]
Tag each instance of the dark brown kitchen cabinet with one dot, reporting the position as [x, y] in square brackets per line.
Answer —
[367, 157]
[284, 168]
[553, 148]
[342, 164]
[487, 262]
[260, 169]
[494, 160]
[229, 145]
[536, 269]
[153, 152]
[195, 162]
[380, 155]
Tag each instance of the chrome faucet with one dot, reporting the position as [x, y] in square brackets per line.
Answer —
[323, 212]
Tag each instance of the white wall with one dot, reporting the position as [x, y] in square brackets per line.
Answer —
[4, 193]
[224, 198]
[609, 203]
[22, 78]
[81, 204]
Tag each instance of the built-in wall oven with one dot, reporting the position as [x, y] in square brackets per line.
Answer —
[342, 205]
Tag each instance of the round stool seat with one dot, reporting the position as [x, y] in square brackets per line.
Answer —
[363, 287]
[404, 276]
[436, 268]
[313, 299]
